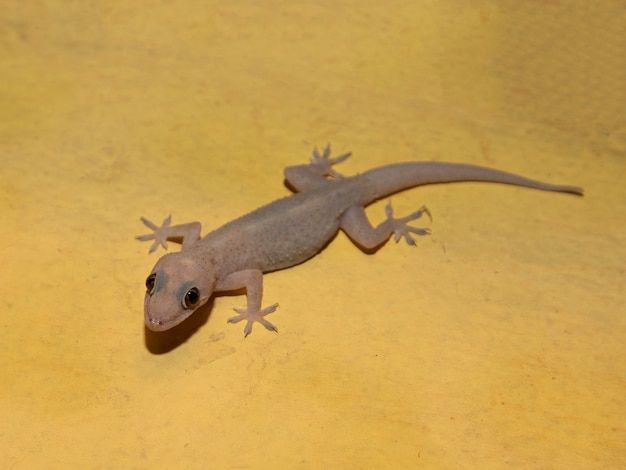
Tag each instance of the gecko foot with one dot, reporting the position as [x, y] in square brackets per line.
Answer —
[400, 226]
[160, 233]
[253, 316]
[323, 163]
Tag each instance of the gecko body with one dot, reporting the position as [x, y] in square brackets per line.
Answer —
[291, 230]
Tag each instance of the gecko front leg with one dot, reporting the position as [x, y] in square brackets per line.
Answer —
[186, 234]
[252, 281]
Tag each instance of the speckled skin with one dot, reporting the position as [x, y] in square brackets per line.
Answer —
[289, 231]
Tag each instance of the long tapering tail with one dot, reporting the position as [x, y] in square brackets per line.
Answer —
[396, 177]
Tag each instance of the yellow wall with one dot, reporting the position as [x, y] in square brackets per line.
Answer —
[499, 342]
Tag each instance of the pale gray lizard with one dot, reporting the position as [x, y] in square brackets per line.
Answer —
[289, 231]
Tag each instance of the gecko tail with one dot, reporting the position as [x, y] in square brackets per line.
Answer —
[397, 177]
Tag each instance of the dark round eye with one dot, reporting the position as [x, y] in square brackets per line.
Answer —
[192, 297]
[150, 282]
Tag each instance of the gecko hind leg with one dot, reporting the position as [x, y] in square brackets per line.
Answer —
[401, 228]
[317, 173]
[323, 164]
[355, 223]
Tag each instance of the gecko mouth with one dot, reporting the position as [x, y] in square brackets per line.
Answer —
[155, 324]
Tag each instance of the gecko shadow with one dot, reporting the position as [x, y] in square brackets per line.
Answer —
[162, 342]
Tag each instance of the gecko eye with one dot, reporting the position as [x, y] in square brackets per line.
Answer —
[150, 282]
[192, 297]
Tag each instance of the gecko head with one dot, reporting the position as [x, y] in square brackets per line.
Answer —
[176, 287]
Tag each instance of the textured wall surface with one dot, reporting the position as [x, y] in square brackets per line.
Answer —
[497, 343]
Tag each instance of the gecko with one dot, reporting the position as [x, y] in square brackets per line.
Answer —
[291, 230]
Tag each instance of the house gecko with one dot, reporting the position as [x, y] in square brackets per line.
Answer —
[291, 230]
